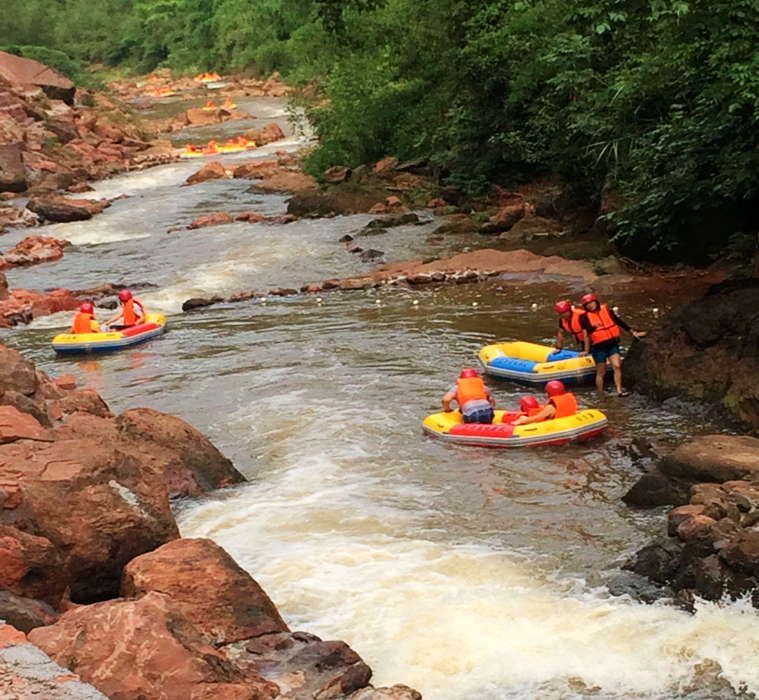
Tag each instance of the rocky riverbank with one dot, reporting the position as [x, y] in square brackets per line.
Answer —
[712, 543]
[708, 350]
[90, 554]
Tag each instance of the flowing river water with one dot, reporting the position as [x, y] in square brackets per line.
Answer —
[464, 572]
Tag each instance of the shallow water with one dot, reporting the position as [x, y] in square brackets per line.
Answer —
[464, 572]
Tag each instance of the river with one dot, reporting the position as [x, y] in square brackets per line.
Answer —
[463, 572]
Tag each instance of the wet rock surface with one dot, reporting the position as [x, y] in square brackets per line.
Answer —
[708, 351]
[27, 672]
[33, 250]
[712, 548]
[85, 517]
[223, 602]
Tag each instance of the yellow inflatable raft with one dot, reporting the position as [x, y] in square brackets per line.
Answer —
[73, 343]
[536, 364]
[450, 426]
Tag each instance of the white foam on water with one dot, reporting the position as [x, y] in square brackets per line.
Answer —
[455, 620]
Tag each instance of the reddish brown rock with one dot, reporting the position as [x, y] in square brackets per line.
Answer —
[62, 209]
[79, 188]
[437, 203]
[387, 164]
[743, 552]
[3, 287]
[256, 169]
[33, 250]
[270, 133]
[65, 382]
[285, 180]
[221, 600]
[336, 174]
[146, 649]
[197, 116]
[15, 425]
[23, 305]
[216, 218]
[85, 401]
[303, 665]
[251, 217]
[715, 458]
[98, 505]
[30, 566]
[188, 461]
[211, 171]
[12, 172]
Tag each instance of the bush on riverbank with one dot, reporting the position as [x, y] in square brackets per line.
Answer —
[656, 103]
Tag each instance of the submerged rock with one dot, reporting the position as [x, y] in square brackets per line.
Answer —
[210, 171]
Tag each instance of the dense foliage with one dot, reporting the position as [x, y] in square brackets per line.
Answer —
[653, 101]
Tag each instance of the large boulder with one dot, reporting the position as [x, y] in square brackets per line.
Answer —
[714, 458]
[61, 209]
[33, 250]
[708, 350]
[25, 71]
[221, 599]
[12, 171]
[30, 566]
[27, 672]
[188, 461]
[210, 171]
[146, 648]
[98, 505]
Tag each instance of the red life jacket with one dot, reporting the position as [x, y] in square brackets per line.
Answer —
[470, 389]
[572, 324]
[603, 325]
[565, 405]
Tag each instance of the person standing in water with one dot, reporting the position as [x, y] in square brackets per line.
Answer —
[470, 393]
[602, 331]
[130, 314]
[570, 325]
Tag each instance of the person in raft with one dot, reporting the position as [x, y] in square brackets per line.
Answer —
[470, 393]
[84, 321]
[570, 325]
[561, 403]
[129, 315]
[602, 330]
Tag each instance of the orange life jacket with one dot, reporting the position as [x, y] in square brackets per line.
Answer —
[82, 323]
[470, 389]
[603, 325]
[565, 405]
[130, 315]
[572, 324]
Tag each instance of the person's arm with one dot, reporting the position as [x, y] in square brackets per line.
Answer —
[143, 314]
[449, 396]
[585, 343]
[624, 326]
[548, 411]
[587, 330]
[491, 400]
[559, 338]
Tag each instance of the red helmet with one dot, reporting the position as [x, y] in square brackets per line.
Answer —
[87, 308]
[528, 402]
[555, 388]
[468, 373]
[125, 295]
[562, 306]
[588, 299]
